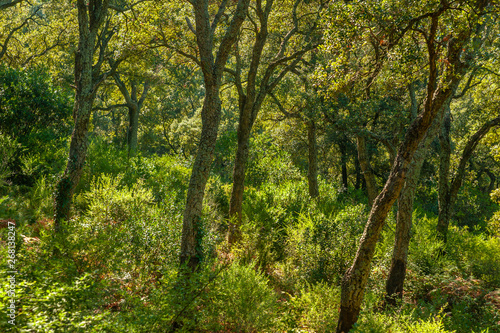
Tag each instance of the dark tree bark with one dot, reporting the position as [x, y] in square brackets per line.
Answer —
[312, 174]
[355, 279]
[357, 169]
[448, 191]
[134, 105]
[397, 272]
[87, 80]
[343, 160]
[364, 163]
[251, 98]
[191, 249]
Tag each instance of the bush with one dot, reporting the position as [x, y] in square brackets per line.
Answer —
[320, 248]
[123, 228]
[241, 301]
[316, 307]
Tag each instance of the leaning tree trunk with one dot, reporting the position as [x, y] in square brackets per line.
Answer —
[312, 173]
[397, 272]
[356, 277]
[364, 163]
[90, 18]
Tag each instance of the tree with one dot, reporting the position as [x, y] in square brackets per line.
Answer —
[212, 68]
[448, 190]
[88, 77]
[439, 91]
[134, 104]
[259, 83]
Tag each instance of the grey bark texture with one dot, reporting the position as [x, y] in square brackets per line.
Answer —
[212, 68]
[355, 279]
[87, 80]
[397, 272]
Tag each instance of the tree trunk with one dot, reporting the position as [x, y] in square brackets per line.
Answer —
[66, 186]
[133, 116]
[357, 169]
[240, 162]
[397, 272]
[90, 18]
[312, 173]
[444, 172]
[343, 161]
[250, 101]
[364, 163]
[355, 278]
[448, 192]
[191, 247]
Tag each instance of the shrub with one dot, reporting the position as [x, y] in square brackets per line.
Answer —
[241, 301]
[317, 306]
[320, 248]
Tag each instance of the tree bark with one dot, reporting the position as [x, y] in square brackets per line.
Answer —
[133, 116]
[236, 201]
[191, 246]
[444, 172]
[191, 249]
[343, 161]
[448, 191]
[364, 163]
[312, 173]
[357, 169]
[89, 21]
[397, 272]
[251, 98]
[134, 105]
[355, 279]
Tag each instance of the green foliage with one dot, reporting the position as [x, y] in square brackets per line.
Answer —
[321, 247]
[241, 301]
[166, 176]
[36, 113]
[494, 222]
[425, 248]
[8, 149]
[32, 109]
[124, 222]
[316, 307]
[269, 164]
[477, 255]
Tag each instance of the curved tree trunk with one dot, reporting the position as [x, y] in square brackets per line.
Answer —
[355, 278]
[448, 192]
[312, 173]
[397, 272]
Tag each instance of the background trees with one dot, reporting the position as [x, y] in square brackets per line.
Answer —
[261, 145]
